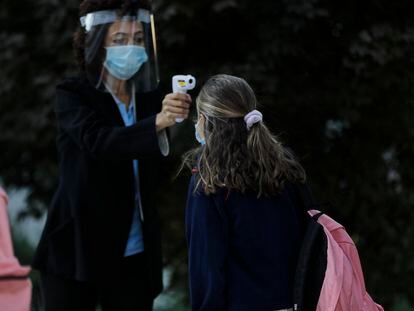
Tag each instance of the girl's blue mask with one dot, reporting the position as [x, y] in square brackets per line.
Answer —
[125, 60]
[198, 137]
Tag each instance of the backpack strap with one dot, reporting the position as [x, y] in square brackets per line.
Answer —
[307, 281]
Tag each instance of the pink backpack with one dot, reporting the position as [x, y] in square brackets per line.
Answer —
[329, 275]
[343, 287]
[15, 285]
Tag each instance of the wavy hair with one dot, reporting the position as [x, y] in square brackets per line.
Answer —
[233, 156]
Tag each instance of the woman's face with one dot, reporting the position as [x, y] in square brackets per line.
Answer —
[125, 33]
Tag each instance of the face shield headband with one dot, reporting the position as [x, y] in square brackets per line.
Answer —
[108, 17]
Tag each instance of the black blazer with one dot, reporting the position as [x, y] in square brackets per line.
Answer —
[90, 215]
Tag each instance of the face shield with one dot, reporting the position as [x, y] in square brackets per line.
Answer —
[120, 50]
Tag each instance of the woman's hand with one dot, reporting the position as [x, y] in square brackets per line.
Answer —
[174, 105]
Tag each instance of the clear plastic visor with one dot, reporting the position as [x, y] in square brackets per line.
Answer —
[121, 50]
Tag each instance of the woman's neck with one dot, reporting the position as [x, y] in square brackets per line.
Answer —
[119, 89]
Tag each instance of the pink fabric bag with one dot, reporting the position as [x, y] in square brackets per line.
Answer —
[15, 285]
[343, 287]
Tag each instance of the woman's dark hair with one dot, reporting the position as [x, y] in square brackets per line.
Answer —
[88, 6]
[233, 156]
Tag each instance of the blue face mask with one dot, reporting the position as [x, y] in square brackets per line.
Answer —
[197, 136]
[124, 61]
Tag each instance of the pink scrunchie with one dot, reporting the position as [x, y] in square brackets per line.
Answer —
[253, 117]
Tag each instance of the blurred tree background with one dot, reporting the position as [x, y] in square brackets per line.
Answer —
[335, 81]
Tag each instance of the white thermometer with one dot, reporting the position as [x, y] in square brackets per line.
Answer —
[181, 84]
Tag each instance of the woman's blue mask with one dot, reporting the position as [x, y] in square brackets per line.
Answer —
[125, 60]
[198, 137]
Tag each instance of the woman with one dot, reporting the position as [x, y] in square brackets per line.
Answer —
[101, 242]
[243, 220]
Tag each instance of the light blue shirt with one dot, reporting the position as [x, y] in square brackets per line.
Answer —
[135, 242]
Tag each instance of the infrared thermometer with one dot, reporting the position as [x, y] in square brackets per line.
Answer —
[181, 84]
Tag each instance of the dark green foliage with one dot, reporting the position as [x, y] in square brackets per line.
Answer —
[335, 80]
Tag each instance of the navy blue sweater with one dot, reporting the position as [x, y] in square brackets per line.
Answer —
[242, 250]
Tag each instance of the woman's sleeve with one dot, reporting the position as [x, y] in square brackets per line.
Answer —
[163, 142]
[92, 133]
[207, 238]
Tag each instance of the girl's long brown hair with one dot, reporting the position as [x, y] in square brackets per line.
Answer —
[234, 157]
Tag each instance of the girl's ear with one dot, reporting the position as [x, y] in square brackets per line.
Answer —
[202, 124]
[201, 118]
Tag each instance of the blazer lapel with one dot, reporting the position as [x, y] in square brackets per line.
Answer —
[109, 108]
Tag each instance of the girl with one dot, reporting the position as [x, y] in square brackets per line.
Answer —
[243, 224]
